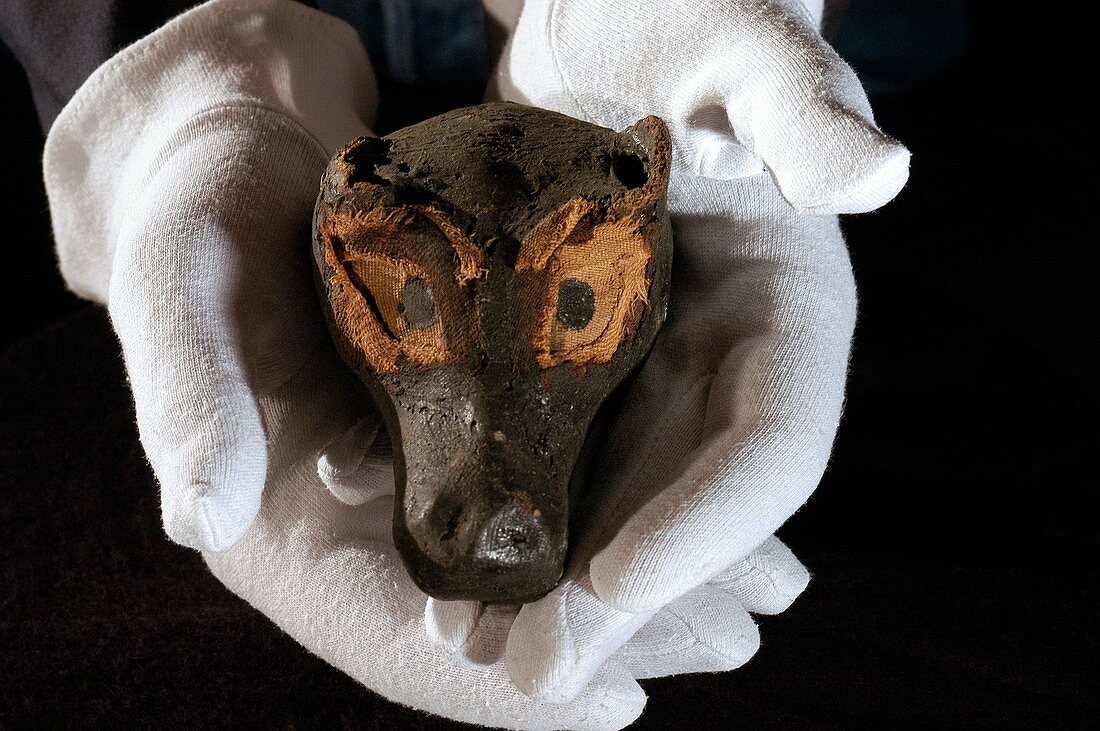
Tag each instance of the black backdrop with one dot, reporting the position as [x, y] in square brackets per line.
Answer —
[952, 546]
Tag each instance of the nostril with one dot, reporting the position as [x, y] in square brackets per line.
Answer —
[452, 524]
[442, 531]
[513, 537]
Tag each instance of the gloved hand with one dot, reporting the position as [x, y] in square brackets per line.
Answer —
[728, 428]
[181, 179]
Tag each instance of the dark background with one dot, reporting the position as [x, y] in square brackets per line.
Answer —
[951, 540]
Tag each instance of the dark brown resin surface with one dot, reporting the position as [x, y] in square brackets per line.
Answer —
[491, 275]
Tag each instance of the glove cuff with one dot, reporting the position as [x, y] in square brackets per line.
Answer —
[275, 55]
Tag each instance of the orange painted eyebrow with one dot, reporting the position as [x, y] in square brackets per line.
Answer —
[392, 222]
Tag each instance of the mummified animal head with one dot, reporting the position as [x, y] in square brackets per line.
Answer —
[491, 275]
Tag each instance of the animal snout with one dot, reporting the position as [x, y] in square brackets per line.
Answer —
[468, 533]
[489, 544]
[514, 536]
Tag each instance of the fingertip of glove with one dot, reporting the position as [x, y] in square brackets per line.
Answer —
[210, 503]
[613, 583]
[207, 524]
[541, 654]
[787, 577]
[348, 470]
[342, 486]
[714, 632]
[724, 159]
[798, 579]
[876, 182]
[449, 625]
[553, 695]
[618, 695]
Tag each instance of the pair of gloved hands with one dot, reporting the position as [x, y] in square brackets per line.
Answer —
[181, 181]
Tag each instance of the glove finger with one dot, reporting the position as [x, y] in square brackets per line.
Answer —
[208, 306]
[486, 644]
[803, 110]
[353, 468]
[558, 643]
[197, 417]
[705, 631]
[450, 624]
[473, 633]
[767, 581]
[718, 154]
[816, 10]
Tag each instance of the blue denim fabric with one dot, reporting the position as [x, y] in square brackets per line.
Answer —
[366, 17]
[420, 42]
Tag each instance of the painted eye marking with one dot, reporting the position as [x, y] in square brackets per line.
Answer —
[594, 268]
[417, 305]
[397, 287]
[576, 303]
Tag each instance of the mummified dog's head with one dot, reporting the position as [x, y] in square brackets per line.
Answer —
[491, 275]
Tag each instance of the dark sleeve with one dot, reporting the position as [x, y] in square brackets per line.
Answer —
[60, 44]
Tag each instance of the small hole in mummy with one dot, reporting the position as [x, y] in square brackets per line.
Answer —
[629, 170]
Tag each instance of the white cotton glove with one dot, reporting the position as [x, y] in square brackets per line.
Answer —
[728, 428]
[706, 630]
[744, 85]
[181, 179]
